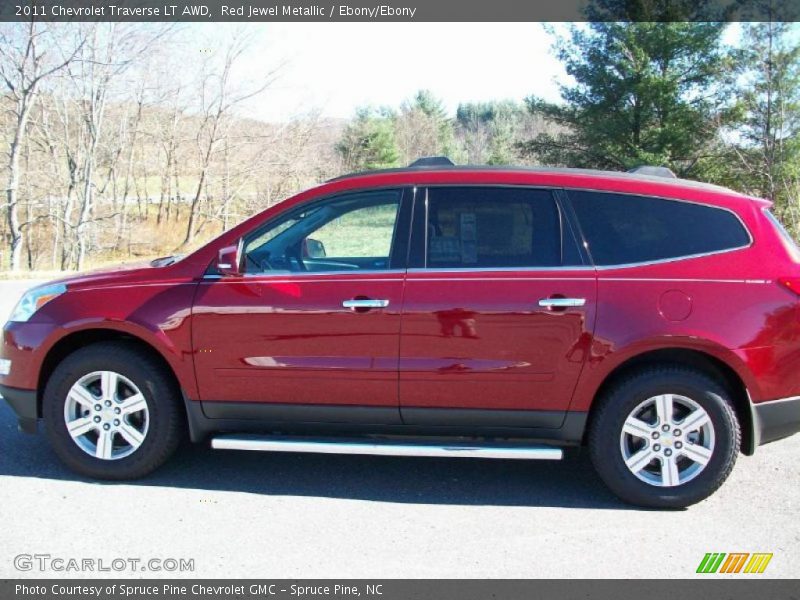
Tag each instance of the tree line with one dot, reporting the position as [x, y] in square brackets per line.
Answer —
[114, 149]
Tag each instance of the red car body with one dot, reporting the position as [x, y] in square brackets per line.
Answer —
[464, 351]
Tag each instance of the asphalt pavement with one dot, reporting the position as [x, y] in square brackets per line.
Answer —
[238, 514]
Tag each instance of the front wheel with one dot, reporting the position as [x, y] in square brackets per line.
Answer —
[112, 411]
[664, 437]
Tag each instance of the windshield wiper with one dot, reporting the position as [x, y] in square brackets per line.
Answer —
[165, 261]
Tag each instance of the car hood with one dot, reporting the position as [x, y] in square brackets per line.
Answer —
[133, 272]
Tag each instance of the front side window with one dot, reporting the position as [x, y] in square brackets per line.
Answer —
[352, 232]
[622, 229]
[475, 227]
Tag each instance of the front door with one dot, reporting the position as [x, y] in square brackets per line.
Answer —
[311, 331]
[498, 313]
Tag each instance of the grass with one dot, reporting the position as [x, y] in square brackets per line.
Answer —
[361, 233]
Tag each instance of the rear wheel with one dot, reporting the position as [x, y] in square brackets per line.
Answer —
[112, 412]
[665, 437]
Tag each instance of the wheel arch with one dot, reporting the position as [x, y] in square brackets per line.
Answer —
[82, 338]
[695, 359]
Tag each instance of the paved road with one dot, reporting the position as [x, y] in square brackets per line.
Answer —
[282, 515]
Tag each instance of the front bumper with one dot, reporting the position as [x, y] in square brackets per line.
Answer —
[23, 402]
[775, 420]
[23, 346]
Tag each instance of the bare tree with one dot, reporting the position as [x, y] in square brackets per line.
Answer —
[217, 100]
[29, 55]
[109, 51]
[118, 122]
[168, 132]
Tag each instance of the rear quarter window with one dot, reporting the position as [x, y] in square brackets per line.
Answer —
[623, 229]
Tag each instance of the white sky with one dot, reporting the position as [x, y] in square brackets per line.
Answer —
[338, 67]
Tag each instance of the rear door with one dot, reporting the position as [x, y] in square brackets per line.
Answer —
[498, 311]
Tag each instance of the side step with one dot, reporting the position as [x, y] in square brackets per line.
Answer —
[385, 448]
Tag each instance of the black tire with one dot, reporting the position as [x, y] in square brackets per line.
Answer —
[619, 401]
[166, 417]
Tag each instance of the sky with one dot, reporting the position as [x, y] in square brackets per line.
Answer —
[335, 68]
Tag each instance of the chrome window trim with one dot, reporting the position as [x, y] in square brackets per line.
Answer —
[324, 198]
[553, 188]
[583, 240]
[671, 199]
[520, 278]
[583, 268]
[427, 222]
[533, 187]
[662, 260]
[683, 280]
[318, 276]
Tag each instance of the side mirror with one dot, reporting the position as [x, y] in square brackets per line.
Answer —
[313, 249]
[228, 261]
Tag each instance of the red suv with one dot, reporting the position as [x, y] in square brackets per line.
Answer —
[437, 311]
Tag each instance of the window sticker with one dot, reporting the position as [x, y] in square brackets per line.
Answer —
[469, 236]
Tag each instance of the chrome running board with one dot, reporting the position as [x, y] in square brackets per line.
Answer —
[385, 448]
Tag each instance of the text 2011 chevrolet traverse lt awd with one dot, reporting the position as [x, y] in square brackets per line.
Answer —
[437, 311]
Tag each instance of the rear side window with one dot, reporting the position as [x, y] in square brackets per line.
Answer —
[621, 229]
[474, 227]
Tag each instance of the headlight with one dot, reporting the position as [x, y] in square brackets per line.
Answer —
[35, 299]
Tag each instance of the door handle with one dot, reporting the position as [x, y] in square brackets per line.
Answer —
[562, 302]
[365, 303]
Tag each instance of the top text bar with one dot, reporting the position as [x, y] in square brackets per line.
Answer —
[399, 10]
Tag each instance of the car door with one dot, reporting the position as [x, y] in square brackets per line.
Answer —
[311, 330]
[498, 311]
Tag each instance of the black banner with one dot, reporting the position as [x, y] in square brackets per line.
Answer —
[393, 589]
[398, 10]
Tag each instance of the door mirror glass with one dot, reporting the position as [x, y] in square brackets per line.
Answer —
[228, 261]
[314, 249]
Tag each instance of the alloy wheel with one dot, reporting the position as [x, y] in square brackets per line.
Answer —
[667, 440]
[106, 415]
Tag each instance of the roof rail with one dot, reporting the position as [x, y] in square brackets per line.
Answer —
[432, 161]
[653, 171]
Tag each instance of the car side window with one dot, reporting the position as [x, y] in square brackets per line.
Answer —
[352, 232]
[483, 227]
[623, 229]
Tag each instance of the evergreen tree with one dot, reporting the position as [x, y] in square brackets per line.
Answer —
[423, 128]
[368, 142]
[643, 93]
[768, 138]
[489, 131]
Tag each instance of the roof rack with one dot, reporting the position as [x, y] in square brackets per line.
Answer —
[442, 162]
[653, 171]
[425, 162]
[432, 161]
